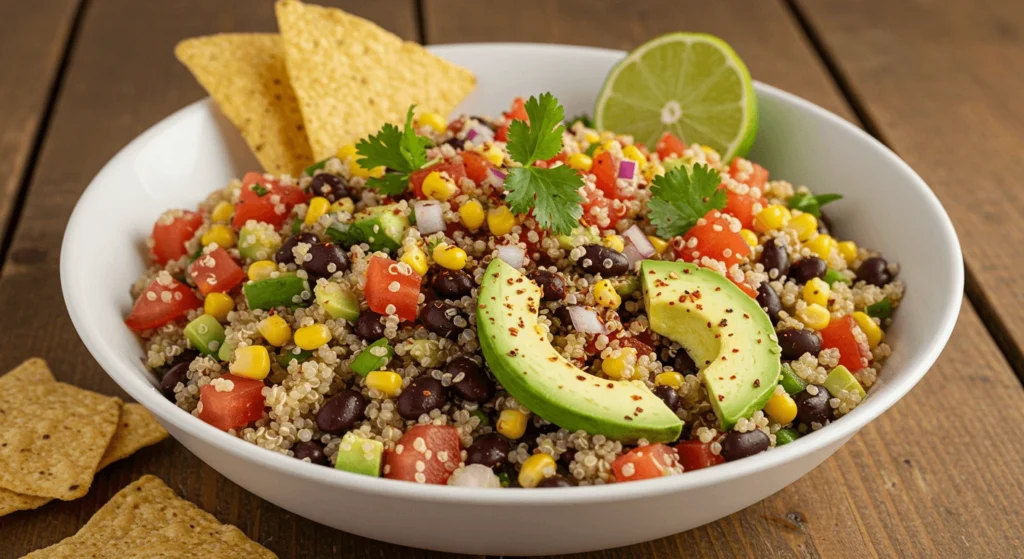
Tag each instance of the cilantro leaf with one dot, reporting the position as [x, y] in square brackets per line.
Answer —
[413, 146]
[810, 203]
[400, 150]
[390, 184]
[382, 149]
[681, 197]
[552, 193]
[542, 137]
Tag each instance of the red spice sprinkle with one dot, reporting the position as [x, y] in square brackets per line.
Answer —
[513, 330]
[721, 398]
[611, 385]
[723, 323]
[733, 377]
[735, 350]
[628, 418]
[512, 353]
[745, 315]
[757, 382]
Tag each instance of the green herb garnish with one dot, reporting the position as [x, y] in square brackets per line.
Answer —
[260, 190]
[681, 197]
[316, 166]
[399, 151]
[811, 203]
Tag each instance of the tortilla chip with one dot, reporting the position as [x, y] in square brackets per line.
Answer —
[351, 76]
[136, 429]
[147, 519]
[33, 370]
[245, 74]
[13, 502]
[52, 436]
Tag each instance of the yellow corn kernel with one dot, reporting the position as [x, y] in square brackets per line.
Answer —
[223, 235]
[581, 162]
[436, 186]
[275, 330]
[218, 305]
[472, 215]
[388, 382]
[848, 250]
[605, 295]
[416, 260]
[222, 212]
[344, 205]
[495, 155]
[448, 256]
[804, 225]
[512, 423]
[318, 206]
[434, 121]
[535, 469]
[500, 221]
[359, 171]
[772, 218]
[261, 269]
[781, 408]
[815, 317]
[669, 378]
[634, 153]
[614, 242]
[652, 171]
[821, 245]
[618, 365]
[816, 292]
[869, 327]
[347, 151]
[606, 145]
[591, 137]
[660, 245]
[749, 237]
[708, 150]
[251, 362]
[312, 337]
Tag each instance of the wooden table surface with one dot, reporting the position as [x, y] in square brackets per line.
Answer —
[941, 474]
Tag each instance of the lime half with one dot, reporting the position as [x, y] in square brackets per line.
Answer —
[691, 84]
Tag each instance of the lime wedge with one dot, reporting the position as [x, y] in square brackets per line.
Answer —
[691, 84]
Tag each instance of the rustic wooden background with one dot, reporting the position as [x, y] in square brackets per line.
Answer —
[937, 80]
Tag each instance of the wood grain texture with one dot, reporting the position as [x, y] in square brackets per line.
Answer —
[942, 80]
[34, 38]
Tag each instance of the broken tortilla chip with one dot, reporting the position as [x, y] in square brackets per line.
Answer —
[245, 74]
[351, 76]
[147, 519]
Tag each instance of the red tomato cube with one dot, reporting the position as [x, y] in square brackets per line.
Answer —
[380, 276]
[669, 145]
[477, 167]
[694, 455]
[265, 200]
[645, 462]
[216, 272]
[596, 205]
[604, 170]
[235, 408]
[170, 233]
[715, 239]
[161, 303]
[755, 177]
[839, 334]
[437, 447]
[518, 110]
[743, 206]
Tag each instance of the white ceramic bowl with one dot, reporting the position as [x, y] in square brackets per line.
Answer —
[178, 161]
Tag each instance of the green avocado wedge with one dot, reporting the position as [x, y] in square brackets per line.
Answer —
[517, 351]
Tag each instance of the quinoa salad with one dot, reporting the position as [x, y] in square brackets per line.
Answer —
[364, 316]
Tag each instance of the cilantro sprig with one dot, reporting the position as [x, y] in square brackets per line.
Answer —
[811, 203]
[681, 197]
[550, 193]
[400, 151]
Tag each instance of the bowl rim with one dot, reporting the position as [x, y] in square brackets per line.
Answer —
[138, 387]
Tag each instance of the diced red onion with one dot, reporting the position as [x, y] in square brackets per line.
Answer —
[635, 237]
[632, 255]
[479, 134]
[585, 320]
[512, 255]
[498, 174]
[627, 169]
[429, 217]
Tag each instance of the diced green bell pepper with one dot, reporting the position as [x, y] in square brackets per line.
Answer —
[205, 334]
[791, 383]
[880, 310]
[832, 276]
[785, 436]
[285, 357]
[282, 291]
[367, 361]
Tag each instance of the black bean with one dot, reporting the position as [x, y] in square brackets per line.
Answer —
[452, 284]
[536, 427]
[329, 186]
[456, 143]
[324, 259]
[808, 268]
[669, 396]
[437, 316]
[186, 356]
[824, 223]
[174, 375]
[683, 363]
[874, 271]
[775, 257]
[563, 316]
[605, 261]
[312, 450]
[795, 343]
[491, 450]
[341, 412]
[813, 409]
[368, 326]
[567, 457]
[557, 481]
[475, 385]
[284, 255]
[736, 445]
[553, 284]
[769, 301]
[424, 393]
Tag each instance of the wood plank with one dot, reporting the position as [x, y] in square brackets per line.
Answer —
[940, 80]
[35, 36]
[887, 492]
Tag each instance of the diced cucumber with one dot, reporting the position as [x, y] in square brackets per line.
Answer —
[579, 236]
[785, 436]
[337, 301]
[258, 242]
[285, 357]
[628, 287]
[359, 455]
[368, 361]
[205, 334]
[791, 383]
[381, 227]
[832, 276]
[282, 291]
[880, 310]
[226, 352]
[842, 379]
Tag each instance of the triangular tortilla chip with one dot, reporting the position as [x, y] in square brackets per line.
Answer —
[245, 74]
[351, 76]
[136, 429]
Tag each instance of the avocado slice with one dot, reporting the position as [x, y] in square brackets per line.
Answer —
[726, 332]
[337, 301]
[381, 227]
[517, 351]
[205, 334]
[281, 291]
[359, 455]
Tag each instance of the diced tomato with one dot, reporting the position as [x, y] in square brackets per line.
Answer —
[518, 110]
[694, 455]
[645, 462]
[160, 304]
[257, 201]
[477, 167]
[596, 203]
[605, 172]
[839, 334]
[379, 296]
[745, 288]
[456, 172]
[715, 240]
[235, 408]
[501, 134]
[216, 272]
[669, 145]
[170, 233]
[742, 207]
[440, 455]
[560, 158]
[756, 178]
